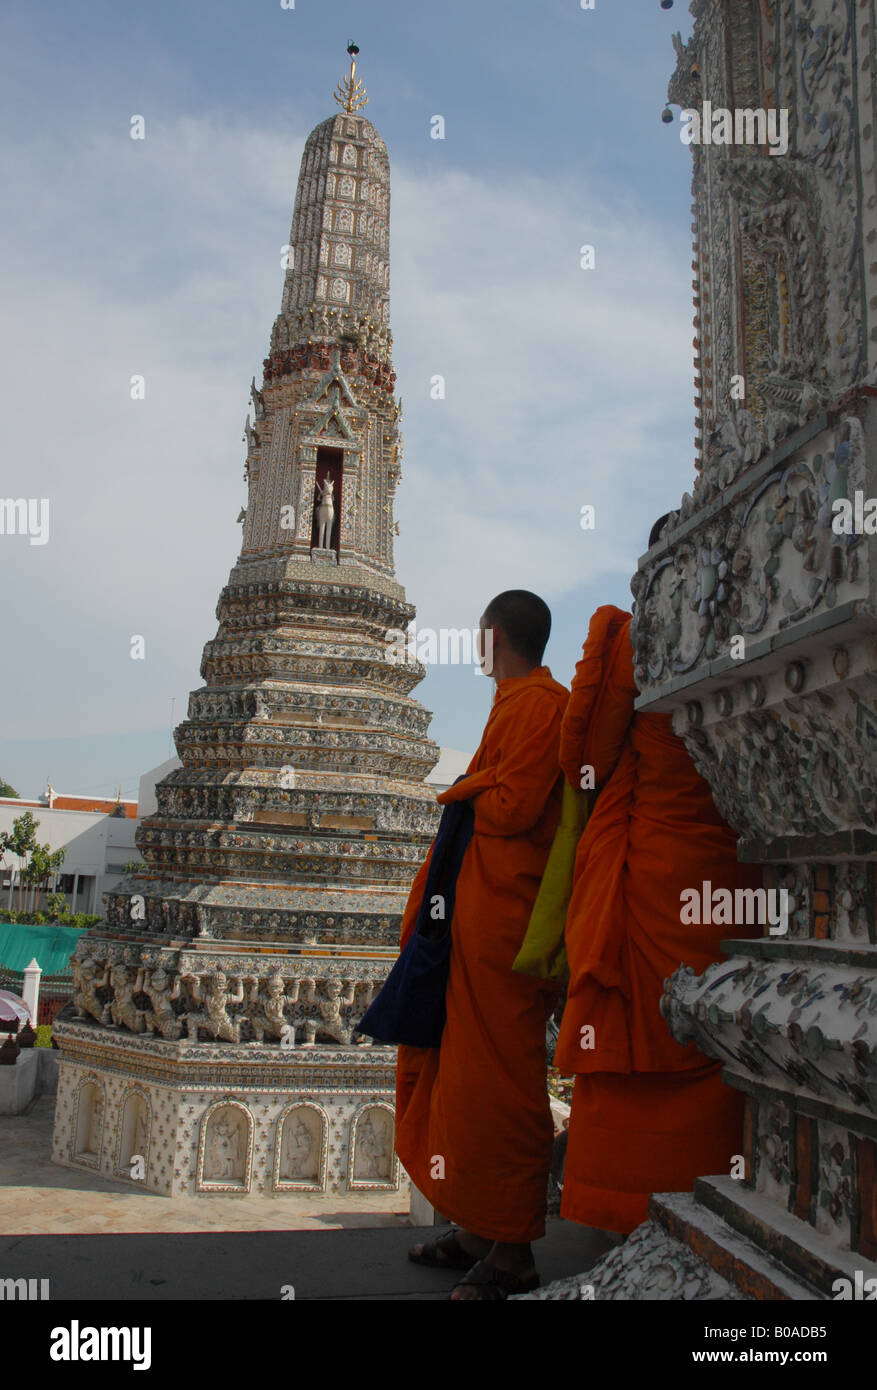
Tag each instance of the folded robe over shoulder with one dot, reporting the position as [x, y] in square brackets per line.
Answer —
[648, 1115]
[473, 1124]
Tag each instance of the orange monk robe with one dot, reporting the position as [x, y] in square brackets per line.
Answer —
[473, 1123]
[648, 1115]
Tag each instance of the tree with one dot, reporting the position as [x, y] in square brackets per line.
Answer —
[43, 864]
[56, 904]
[20, 841]
[6, 790]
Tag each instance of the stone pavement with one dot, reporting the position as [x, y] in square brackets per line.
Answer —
[318, 1265]
[37, 1197]
[96, 1240]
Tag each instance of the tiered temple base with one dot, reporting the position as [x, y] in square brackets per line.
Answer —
[252, 1118]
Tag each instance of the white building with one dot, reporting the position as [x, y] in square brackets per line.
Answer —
[96, 843]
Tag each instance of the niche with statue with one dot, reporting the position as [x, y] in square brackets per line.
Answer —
[302, 1149]
[225, 1149]
[372, 1161]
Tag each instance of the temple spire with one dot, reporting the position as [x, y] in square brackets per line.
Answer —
[350, 92]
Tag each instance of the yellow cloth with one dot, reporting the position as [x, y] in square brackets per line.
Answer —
[543, 951]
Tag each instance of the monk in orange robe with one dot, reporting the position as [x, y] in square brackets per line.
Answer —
[473, 1120]
[648, 1115]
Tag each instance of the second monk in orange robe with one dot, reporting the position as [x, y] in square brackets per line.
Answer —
[473, 1122]
[648, 1115]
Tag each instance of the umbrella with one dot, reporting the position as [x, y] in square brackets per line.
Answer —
[13, 1007]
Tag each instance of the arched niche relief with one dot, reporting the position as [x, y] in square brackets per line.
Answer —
[301, 1148]
[133, 1131]
[371, 1159]
[88, 1123]
[225, 1148]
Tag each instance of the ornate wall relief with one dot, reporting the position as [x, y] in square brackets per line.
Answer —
[302, 1149]
[225, 1148]
[372, 1160]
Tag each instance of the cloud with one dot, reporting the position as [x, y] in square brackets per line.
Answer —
[559, 384]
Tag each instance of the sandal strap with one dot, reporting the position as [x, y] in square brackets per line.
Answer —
[497, 1283]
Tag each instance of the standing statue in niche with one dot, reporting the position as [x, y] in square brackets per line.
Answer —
[223, 1150]
[301, 1155]
[325, 511]
[372, 1148]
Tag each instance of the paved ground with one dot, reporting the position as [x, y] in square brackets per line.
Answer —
[96, 1240]
[37, 1197]
[329, 1264]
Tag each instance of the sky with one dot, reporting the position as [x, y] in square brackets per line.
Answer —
[565, 386]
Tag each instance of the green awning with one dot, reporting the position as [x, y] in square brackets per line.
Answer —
[50, 946]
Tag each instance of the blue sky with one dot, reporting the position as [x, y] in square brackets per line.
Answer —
[565, 387]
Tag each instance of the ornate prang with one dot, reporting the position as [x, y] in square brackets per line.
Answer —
[278, 860]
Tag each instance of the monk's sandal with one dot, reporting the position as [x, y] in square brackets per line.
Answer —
[494, 1284]
[444, 1253]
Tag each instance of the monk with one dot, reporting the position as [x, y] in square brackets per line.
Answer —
[473, 1122]
[648, 1115]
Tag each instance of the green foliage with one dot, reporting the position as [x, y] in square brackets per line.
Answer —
[44, 1035]
[56, 903]
[22, 842]
[43, 863]
[64, 919]
[6, 790]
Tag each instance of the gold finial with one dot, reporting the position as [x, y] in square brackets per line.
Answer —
[350, 93]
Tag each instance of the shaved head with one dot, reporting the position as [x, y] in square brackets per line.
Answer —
[524, 618]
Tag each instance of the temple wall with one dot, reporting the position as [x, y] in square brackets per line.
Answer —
[304, 1125]
[755, 627]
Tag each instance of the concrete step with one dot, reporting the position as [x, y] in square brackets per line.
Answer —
[760, 1249]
